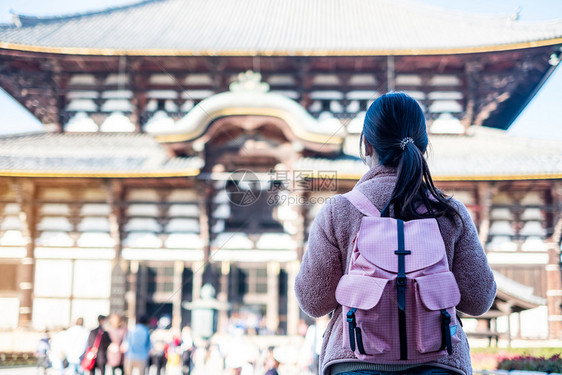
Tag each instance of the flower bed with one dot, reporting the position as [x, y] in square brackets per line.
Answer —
[530, 363]
[543, 360]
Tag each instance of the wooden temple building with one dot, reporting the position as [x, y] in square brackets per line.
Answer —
[192, 142]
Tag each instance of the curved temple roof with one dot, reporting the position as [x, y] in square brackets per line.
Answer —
[91, 155]
[498, 156]
[519, 295]
[250, 96]
[482, 154]
[271, 27]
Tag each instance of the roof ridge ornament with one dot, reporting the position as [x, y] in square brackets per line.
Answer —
[249, 81]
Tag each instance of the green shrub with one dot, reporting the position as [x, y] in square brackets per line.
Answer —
[531, 363]
[16, 359]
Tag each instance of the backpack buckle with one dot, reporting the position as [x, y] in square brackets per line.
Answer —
[446, 317]
[401, 279]
[351, 316]
[446, 342]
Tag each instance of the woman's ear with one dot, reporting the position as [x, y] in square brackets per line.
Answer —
[371, 157]
[368, 149]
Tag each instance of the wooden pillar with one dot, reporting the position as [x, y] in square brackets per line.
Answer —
[554, 269]
[204, 191]
[56, 103]
[293, 310]
[554, 294]
[518, 326]
[220, 76]
[177, 296]
[223, 297]
[114, 191]
[139, 84]
[472, 69]
[197, 268]
[390, 74]
[131, 295]
[272, 314]
[114, 194]
[485, 204]
[426, 88]
[304, 82]
[300, 224]
[508, 310]
[142, 288]
[26, 197]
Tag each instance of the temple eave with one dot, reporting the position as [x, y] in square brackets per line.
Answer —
[67, 50]
[100, 174]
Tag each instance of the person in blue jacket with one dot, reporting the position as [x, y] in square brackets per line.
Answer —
[138, 347]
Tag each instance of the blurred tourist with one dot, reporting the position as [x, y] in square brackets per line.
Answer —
[271, 363]
[174, 356]
[43, 353]
[58, 352]
[115, 352]
[75, 342]
[104, 341]
[138, 346]
[313, 343]
[241, 354]
[187, 350]
[161, 338]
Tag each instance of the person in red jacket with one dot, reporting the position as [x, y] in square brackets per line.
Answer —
[101, 358]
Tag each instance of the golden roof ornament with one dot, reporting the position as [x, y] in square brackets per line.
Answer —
[249, 82]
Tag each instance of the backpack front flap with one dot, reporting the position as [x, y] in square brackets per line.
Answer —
[378, 238]
[363, 292]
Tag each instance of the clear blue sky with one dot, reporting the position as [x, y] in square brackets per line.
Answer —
[541, 119]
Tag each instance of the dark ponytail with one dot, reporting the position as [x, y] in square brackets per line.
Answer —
[395, 127]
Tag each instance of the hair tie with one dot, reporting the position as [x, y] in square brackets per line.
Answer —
[405, 142]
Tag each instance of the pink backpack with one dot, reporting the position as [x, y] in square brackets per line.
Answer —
[398, 296]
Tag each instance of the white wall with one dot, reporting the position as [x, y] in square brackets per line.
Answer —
[66, 289]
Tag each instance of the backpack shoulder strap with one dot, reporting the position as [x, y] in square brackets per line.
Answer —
[362, 203]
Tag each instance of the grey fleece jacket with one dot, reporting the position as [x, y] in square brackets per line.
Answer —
[329, 251]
